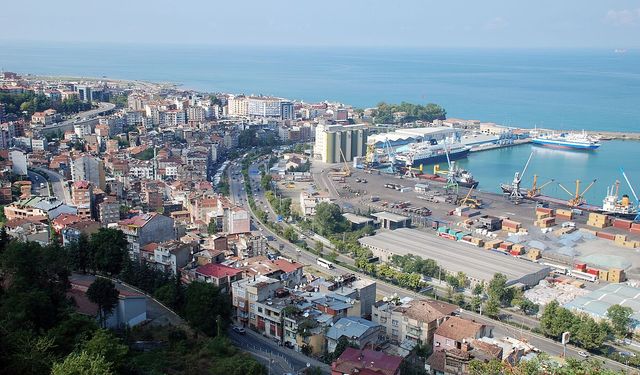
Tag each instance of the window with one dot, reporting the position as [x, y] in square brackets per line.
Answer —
[259, 309]
[394, 323]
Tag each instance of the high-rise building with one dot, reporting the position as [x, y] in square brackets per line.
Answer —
[88, 168]
[82, 197]
[338, 143]
[238, 106]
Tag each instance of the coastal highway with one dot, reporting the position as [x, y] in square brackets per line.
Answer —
[500, 329]
[89, 115]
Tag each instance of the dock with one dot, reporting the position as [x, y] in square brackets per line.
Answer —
[493, 146]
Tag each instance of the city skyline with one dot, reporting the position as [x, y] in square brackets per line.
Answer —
[499, 24]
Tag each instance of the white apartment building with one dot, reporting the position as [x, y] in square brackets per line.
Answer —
[238, 106]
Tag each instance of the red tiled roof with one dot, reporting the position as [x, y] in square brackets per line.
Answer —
[82, 184]
[217, 270]
[66, 219]
[150, 247]
[286, 266]
[366, 362]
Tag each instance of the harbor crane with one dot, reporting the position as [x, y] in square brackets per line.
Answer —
[345, 169]
[516, 194]
[535, 189]
[452, 182]
[470, 201]
[577, 197]
[633, 191]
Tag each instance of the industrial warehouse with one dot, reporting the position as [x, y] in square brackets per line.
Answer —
[479, 265]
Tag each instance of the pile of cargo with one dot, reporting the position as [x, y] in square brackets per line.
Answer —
[599, 220]
[466, 212]
[473, 241]
[612, 275]
[564, 214]
[534, 254]
[545, 217]
[562, 291]
[511, 226]
[493, 244]
[627, 225]
[622, 240]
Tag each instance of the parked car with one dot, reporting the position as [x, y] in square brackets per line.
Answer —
[583, 354]
[239, 330]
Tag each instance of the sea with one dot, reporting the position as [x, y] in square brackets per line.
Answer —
[564, 89]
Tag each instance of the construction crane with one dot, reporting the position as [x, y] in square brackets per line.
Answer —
[577, 197]
[516, 195]
[410, 171]
[470, 201]
[345, 169]
[535, 189]
[637, 218]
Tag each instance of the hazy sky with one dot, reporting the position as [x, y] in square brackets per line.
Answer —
[444, 23]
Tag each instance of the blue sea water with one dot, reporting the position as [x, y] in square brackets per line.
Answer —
[563, 89]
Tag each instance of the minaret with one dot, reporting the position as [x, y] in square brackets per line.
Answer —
[155, 163]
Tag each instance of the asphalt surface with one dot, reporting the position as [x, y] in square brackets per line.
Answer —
[37, 179]
[88, 115]
[59, 184]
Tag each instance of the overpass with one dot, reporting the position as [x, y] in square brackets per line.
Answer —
[89, 116]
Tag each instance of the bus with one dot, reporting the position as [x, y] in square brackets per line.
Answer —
[325, 263]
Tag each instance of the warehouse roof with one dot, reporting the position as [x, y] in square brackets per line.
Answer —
[356, 219]
[598, 302]
[476, 263]
[389, 216]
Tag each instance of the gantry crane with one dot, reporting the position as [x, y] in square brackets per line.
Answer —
[577, 197]
[535, 189]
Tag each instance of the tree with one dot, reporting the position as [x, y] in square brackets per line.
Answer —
[204, 302]
[290, 234]
[80, 253]
[492, 307]
[319, 247]
[453, 281]
[82, 363]
[103, 293]
[109, 247]
[212, 228]
[265, 182]
[106, 345]
[342, 344]
[588, 334]
[329, 219]
[478, 289]
[620, 318]
[462, 279]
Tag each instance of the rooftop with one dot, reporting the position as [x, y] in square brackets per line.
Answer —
[476, 263]
[350, 327]
[389, 216]
[458, 329]
[366, 361]
[217, 270]
[357, 219]
[598, 302]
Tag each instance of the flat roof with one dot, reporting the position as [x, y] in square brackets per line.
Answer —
[357, 219]
[598, 302]
[389, 216]
[455, 256]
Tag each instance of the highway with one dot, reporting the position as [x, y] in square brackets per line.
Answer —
[36, 181]
[500, 329]
[89, 115]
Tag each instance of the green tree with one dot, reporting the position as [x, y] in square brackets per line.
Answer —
[80, 253]
[82, 363]
[109, 247]
[453, 281]
[492, 307]
[620, 318]
[318, 247]
[588, 334]
[478, 289]
[497, 288]
[290, 234]
[329, 219]
[103, 293]
[106, 345]
[204, 302]
[265, 182]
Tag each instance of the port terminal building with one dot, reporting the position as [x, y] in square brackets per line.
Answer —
[403, 137]
[478, 264]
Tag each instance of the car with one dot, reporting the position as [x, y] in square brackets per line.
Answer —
[239, 330]
[583, 354]
[627, 354]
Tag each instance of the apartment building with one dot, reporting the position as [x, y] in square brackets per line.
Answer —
[146, 228]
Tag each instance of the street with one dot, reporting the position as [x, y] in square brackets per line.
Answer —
[39, 185]
[58, 183]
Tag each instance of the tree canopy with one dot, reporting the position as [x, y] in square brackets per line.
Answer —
[329, 219]
[407, 112]
[103, 293]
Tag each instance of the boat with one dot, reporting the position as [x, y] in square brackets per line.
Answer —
[432, 151]
[577, 141]
[461, 176]
[613, 206]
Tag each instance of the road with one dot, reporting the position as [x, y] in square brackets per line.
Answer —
[37, 179]
[103, 107]
[500, 329]
[59, 184]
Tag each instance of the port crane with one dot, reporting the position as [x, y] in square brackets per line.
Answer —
[516, 194]
[535, 189]
[470, 201]
[345, 169]
[452, 183]
[577, 197]
[391, 155]
[411, 172]
[637, 218]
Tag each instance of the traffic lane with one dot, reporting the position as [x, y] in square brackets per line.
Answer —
[256, 343]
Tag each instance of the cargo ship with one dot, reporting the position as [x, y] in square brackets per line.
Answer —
[622, 208]
[576, 141]
[432, 151]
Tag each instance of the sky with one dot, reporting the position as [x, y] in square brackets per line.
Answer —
[408, 23]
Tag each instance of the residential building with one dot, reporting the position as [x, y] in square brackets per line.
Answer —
[48, 207]
[108, 211]
[412, 320]
[339, 143]
[82, 198]
[357, 361]
[457, 331]
[88, 168]
[359, 331]
[143, 229]
[237, 221]
[171, 255]
[46, 117]
[238, 106]
[18, 160]
[72, 232]
[220, 275]
[309, 201]
[247, 292]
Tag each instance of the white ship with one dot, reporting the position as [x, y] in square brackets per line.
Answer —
[424, 153]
